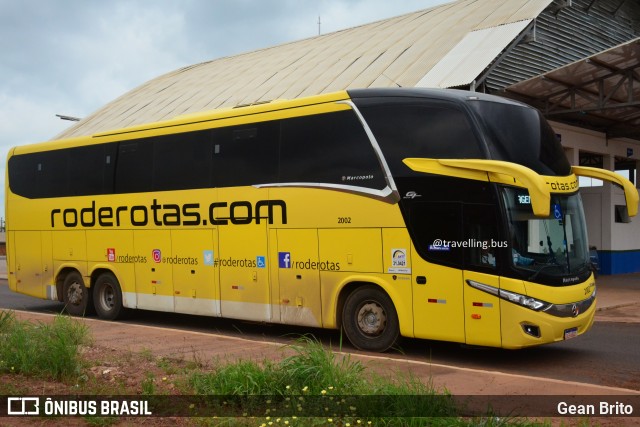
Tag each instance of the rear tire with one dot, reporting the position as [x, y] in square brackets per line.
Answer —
[76, 296]
[370, 320]
[107, 297]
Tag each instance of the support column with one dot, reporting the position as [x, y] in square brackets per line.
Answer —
[573, 155]
[608, 217]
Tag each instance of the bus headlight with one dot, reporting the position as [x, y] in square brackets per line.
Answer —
[532, 303]
[524, 301]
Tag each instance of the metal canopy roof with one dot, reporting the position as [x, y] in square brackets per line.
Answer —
[601, 92]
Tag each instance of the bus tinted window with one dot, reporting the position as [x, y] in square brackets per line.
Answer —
[521, 135]
[413, 130]
[245, 155]
[91, 169]
[61, 173]
[435, 225]
[135, 166]
[329, 148]
[23, 175]
[182, 161]
[481, 233]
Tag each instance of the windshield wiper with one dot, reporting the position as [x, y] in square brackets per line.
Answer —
[543, 267]
[552, 255]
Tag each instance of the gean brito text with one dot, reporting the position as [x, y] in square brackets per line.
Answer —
[171, 214]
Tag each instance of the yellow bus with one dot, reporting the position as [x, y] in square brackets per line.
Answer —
[434, 214]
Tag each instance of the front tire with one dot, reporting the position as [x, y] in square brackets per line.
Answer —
[107, 297]
[76, 295]
[370, 320]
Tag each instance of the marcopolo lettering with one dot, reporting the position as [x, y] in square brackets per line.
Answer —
[171, 214]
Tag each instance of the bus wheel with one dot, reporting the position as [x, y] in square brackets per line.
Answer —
[369, 319]
[76, 296]
[107, 297]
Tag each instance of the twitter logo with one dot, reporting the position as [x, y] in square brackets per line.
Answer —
[208, 258]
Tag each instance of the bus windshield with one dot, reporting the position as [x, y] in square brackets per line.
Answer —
[552, 246]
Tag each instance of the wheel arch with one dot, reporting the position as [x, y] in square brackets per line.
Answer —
[62, 274]
[97, 271]
[129, 299]
[404, 311]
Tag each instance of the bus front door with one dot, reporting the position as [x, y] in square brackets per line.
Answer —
[481, 310]
[437, 301]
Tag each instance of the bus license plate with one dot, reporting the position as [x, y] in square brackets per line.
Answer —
[570, 333]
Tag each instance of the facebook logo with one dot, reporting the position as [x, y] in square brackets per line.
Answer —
[284, 259]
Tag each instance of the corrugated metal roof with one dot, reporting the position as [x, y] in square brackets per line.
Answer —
[471, 55]
[566, 34]
[392, 52]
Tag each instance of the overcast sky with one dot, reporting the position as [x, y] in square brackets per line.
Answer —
[71, 57]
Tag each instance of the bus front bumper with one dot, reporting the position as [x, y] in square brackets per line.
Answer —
[522, 327]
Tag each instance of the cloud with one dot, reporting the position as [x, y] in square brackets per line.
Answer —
[73, 56]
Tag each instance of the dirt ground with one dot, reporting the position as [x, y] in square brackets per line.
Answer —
[107, 371]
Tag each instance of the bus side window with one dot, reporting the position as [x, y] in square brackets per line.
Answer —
[134, 172]
[436, 130]
[245, 154]
[437, 231]
[182, 161]
[95, 165]
[329, 148]
[55, 173]
[481, 236]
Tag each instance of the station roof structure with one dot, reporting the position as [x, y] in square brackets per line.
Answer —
[492, 46]
[603, 89]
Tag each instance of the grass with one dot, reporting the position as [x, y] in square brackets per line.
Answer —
[50, 350]
[313, 386]
[316, 386]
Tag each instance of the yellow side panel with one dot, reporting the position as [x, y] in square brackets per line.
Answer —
[28, 264]
[242, 258]
[195, 284]
[351, 249]
[70, 249]
[154, 280]
[113, 250]
[396, 257]
[396, 254]
[482, 311]
[299, 279]
[438, 304]
[327, 209]
[48, 271]
[110, 246]
[69, 245]
[11, 261]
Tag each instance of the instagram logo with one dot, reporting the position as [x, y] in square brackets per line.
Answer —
[157, 255]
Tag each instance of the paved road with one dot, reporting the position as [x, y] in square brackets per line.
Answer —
[607, 355]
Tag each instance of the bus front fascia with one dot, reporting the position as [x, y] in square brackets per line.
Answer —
[514, 174]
